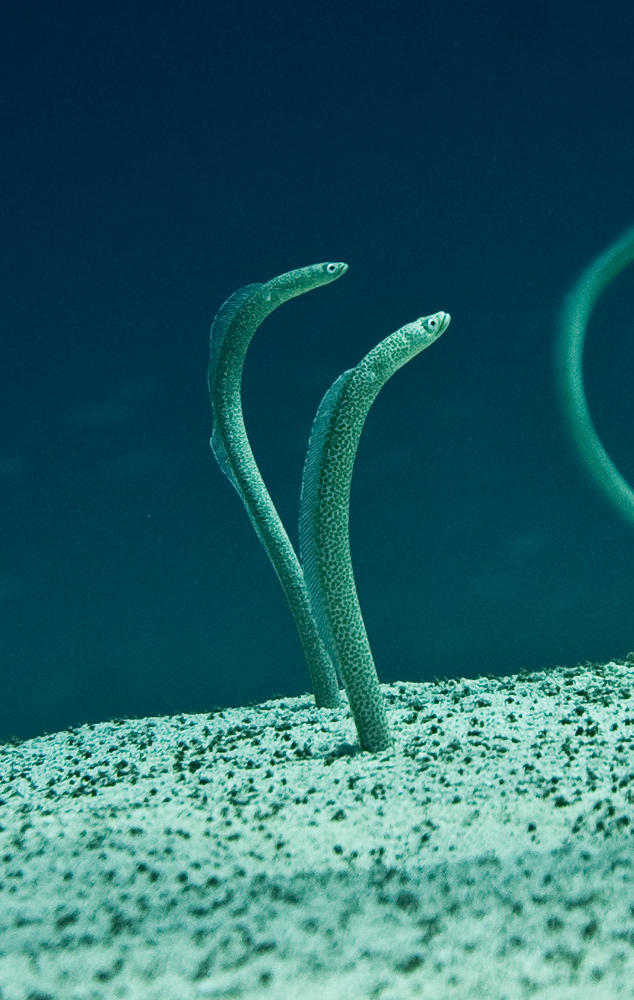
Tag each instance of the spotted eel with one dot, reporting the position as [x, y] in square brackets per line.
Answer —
[324, 519]
[231, 333]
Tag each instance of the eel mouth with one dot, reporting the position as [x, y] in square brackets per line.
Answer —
[444, 319]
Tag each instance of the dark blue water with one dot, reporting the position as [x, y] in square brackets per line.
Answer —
[468, 156]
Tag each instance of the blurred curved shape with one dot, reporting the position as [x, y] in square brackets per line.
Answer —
[573, 324]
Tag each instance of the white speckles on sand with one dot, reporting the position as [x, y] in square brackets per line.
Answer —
[253, 853]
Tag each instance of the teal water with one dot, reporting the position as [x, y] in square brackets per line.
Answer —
[465, 157]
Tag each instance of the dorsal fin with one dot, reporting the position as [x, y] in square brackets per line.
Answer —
[223, 320]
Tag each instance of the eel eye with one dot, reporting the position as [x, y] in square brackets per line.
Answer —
[331, 268]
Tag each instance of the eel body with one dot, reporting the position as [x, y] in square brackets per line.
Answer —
[324, 519]
[573, 325]
[231, 333]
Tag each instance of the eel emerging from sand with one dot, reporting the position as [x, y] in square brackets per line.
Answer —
[324, 517]
[231, 333]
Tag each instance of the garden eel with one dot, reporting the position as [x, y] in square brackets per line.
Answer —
[324, 519]
[575, 316]
[231, 333]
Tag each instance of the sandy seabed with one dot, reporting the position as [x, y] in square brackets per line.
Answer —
[254, 852]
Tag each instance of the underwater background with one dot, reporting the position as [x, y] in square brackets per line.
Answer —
[470, 156]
